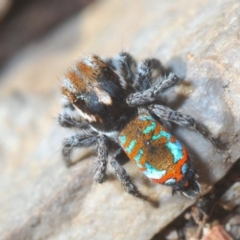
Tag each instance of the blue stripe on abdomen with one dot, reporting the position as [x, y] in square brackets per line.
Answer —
[152, 172]
[176, 150]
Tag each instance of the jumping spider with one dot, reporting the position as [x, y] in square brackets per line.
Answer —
[115, 105]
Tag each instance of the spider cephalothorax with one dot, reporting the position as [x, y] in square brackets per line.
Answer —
[114, 103]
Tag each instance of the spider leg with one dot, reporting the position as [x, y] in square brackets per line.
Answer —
[69, 117]
[85, 139]
[125, 179]
[166, 114]
[88, 140]
[144, 73]
[68, 121]
[101, 165]
[151, 94]
[125, 64]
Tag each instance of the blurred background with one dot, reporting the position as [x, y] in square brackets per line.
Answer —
[24, 21]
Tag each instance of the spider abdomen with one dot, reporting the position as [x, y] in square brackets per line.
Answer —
[158, 154]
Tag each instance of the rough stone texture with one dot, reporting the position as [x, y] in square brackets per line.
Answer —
[232, 225]
[231, 198]
[40, 198]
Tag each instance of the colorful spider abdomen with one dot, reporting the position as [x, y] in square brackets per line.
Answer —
[158, 154]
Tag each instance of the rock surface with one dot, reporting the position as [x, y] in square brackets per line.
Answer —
[4, 8]
[231, 198]
[40, 198]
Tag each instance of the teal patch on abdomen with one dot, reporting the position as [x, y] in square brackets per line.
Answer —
[131, 146]
[146, 118]
[150, 128]
[138, 157]
[162, 134]
[170, 181]
[122, 139]
[152, 125]
[152, 172]
[176, 150]
[185, 168]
